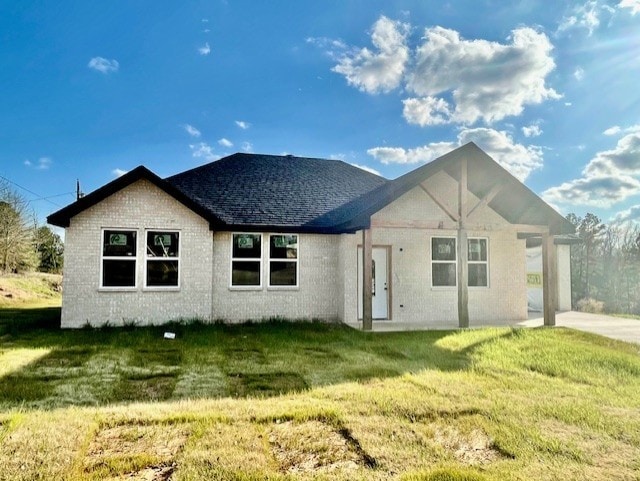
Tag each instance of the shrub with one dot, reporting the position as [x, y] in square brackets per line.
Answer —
[591, 305]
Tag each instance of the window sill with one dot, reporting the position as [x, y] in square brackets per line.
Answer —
[117, 289]
[283, 288]
[245, 288]
[161, 289]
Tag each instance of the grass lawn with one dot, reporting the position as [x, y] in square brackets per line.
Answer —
[286, 401]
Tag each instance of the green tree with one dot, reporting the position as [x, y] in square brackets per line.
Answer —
[586, 257]
[16, 232]
[50, 249]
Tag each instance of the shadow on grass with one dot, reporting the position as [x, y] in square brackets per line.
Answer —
[114, 365]
[15, 321]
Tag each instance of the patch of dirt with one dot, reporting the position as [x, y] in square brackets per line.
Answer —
[471, 448]
[315, 447]
[152, 473]
[160, 442]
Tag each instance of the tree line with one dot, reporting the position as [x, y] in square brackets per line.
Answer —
[25, 245]
[605, 266]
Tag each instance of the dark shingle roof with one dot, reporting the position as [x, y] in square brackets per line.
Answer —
[299, 194]
[253, 190]
[515, 202]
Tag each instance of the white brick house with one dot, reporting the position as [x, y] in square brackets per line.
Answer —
[254, 236]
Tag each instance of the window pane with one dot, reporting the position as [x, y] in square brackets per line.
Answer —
[162, 244]
[245, 273]
[443, 249]
[477, 249]
[162, 273]
[247, 246]
[478, 275]
[118, 273]
[283, 247]
[444, 274]
[119, 243]
[283, 273]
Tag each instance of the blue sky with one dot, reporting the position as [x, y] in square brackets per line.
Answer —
[90, 90]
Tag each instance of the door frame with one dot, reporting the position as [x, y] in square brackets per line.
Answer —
[389, 250]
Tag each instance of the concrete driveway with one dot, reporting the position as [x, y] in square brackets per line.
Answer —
[614, 327]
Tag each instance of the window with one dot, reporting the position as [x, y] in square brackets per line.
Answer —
[443, 261]
[118, 258]
[162, 259]
[283, 260]
[444, 265]
[246, 260]
[478, 263]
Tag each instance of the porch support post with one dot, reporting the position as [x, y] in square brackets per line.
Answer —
[549, 279]
[463, 289]
[367, 281]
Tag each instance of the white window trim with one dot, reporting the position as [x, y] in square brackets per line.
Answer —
[487, 262]
[246, 259]
[270, 260]
[148, 258]
[443, 262]
[479, 262]
[118, 258]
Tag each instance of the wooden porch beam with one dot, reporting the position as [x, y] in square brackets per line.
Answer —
[536, 230]
[367, 280]
[487, 198]
[463, 288]
[440, 204]
[549, 276]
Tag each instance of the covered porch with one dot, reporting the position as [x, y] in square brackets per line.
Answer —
[480, 183]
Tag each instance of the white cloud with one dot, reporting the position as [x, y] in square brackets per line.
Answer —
[225, 142]
[453, 80]
[633, 5]
[585, 15]
[487, 80]
[532, 130]
[518, 159]
[616, 129]
[247, 147]
[418, 155]
[426, 111]
[593, 191]
[205, 49]
[579, 74]
[103, 65]
[609, 177]
[625, 158]
[380, 70]
[367, 169]
[119, 172]
[204, 151]
[632, 214]
[242, 124]
[43, 163]
[192, 131]
[333, 48]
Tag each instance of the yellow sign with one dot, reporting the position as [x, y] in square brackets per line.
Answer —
[534, 279]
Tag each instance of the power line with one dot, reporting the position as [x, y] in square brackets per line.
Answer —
[38, 196]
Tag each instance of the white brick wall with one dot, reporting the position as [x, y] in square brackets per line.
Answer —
[139, 206]
[413, 298]
[327, 267]
[316, 297]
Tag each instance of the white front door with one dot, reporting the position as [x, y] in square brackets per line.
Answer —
[380, 283]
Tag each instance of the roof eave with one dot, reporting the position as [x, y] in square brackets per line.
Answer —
[62, 217]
